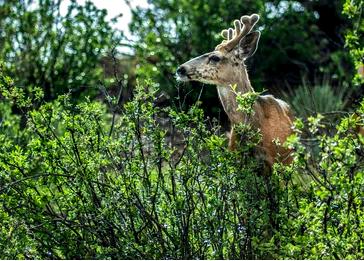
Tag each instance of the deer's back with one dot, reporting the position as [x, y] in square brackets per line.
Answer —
[275, 122]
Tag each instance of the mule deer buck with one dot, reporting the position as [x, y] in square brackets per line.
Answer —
[224, 67]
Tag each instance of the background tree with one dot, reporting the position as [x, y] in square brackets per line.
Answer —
[298, 38]
[58, 52]
[355, 36]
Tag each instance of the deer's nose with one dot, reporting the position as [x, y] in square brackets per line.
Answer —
[181, 70]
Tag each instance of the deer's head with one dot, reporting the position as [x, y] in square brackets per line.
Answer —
[224, 64]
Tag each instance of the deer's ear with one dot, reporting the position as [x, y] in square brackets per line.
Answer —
[248, 45]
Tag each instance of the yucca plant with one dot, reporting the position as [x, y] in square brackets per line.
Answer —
[320, 97]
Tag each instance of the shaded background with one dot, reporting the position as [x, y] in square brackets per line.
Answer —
[79, 50]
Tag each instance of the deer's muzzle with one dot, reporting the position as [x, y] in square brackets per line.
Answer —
[182, 71]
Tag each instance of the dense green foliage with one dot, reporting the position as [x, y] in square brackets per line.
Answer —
[327, 220]
[59, 53]
[355, 36]
[79, 183]
[100, 190]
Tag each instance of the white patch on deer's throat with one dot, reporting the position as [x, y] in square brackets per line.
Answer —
[224, 92]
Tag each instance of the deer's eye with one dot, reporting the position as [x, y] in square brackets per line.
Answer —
[215, 58]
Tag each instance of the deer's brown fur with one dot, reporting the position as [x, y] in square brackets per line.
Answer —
[224, 67]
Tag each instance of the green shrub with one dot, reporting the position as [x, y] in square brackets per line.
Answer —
[354, 37]
[72, 187]
[77, 182]
[325, 221]
[56, 46]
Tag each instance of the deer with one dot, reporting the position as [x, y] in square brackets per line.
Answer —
[225, 67]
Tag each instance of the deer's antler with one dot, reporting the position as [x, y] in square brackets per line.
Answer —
[233, 36]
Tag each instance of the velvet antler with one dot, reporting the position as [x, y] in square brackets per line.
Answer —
[233, 36]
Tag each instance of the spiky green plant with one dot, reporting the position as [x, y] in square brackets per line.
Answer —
[321, 97]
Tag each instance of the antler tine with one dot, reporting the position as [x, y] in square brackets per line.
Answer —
[233, 36]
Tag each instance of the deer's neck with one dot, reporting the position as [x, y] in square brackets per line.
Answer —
[228, 97]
